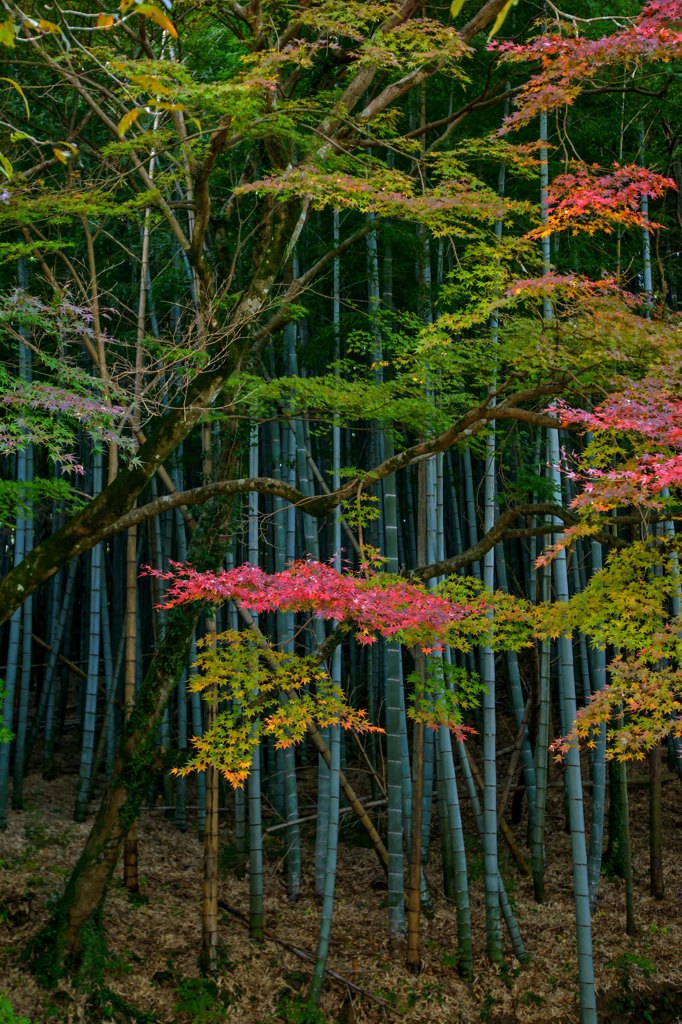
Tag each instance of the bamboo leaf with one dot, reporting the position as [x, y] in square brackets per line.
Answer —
[164, 105]
[48, 26]
[156, 15]
[7, 33]
[128, 119]
[456, 7]
[502, 17]
[105, 20]
[65, 151]
[43, 25]
[6, 167]
[15, 85]
[151, 83]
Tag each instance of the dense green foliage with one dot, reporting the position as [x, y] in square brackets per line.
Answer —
[341, 283]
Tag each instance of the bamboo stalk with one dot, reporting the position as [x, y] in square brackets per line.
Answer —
[94, 650]
[130, 850]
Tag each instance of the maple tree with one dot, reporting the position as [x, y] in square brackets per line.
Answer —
[638, 427]
[572, 57]
[592, 200]
[632, 461]
[228, 671]
[221, 229]
[374, 602]
[228, 666]
[641, 706]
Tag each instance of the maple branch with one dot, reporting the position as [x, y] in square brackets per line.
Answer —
[321, 505]
[424, 129]
[502, 530]
[396, 90]
[365, 76]
[200, 495]
[299, 284]
[481, 19]
[471, 423]
[292, 29]
[497, 533]
[454, 120]
[202, 199]
[640, 90]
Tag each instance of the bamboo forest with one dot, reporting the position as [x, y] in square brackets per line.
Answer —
[341, 467]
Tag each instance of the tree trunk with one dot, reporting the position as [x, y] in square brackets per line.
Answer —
[86, 887]
[85, 529]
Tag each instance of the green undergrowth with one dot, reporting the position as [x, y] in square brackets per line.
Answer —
[200, 1001]
[7, 1014]
[295, 1009]
[660, 1004]
[88, 976]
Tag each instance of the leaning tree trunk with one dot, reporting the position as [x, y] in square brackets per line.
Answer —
[86, 888]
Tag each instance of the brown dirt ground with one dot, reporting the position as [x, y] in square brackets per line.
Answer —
[155, 942]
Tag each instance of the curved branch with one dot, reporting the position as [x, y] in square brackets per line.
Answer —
[299, 284]
[321, 505]
[498, 532]
[200, 495]
[471, 423]
[503, 530]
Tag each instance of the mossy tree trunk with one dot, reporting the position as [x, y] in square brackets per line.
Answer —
[86, 888]
[614, 859]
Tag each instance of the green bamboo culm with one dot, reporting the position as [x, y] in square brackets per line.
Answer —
[505, 906]
[597, 765]
[394, 698]
[454, 838]
[92, 682]
[490, 853]
[23, 543]
[573, 779]
[541, 754]
[518, 700]
[24, 475]
[60, 604]
[256, 895]
[286, 628]
[330, 878]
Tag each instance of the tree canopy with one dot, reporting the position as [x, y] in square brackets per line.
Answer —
[358, 326]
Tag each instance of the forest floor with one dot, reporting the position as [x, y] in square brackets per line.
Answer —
[154, 941]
